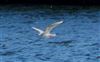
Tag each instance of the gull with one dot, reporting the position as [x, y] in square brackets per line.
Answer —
[46, 33]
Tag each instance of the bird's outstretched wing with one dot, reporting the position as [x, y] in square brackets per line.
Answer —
[38, 30]
[50, 27]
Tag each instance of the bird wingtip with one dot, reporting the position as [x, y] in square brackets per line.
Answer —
[61, 21]
[32, 27]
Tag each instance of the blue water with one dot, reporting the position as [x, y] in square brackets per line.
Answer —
[77, 40]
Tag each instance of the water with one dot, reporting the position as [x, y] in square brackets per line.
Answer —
[77, 40]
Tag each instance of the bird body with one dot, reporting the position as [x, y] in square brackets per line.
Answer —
[46, 33]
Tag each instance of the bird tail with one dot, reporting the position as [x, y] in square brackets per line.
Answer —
[38, 30]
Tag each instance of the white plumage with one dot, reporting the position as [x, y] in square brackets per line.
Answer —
[46, 33]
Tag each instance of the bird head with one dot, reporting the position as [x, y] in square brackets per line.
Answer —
[52, 35]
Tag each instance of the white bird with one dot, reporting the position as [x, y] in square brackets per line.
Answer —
[46, 33]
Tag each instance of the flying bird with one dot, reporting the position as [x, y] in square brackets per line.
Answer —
[46, 33]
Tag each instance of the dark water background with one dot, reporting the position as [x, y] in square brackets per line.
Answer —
[78, 37]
